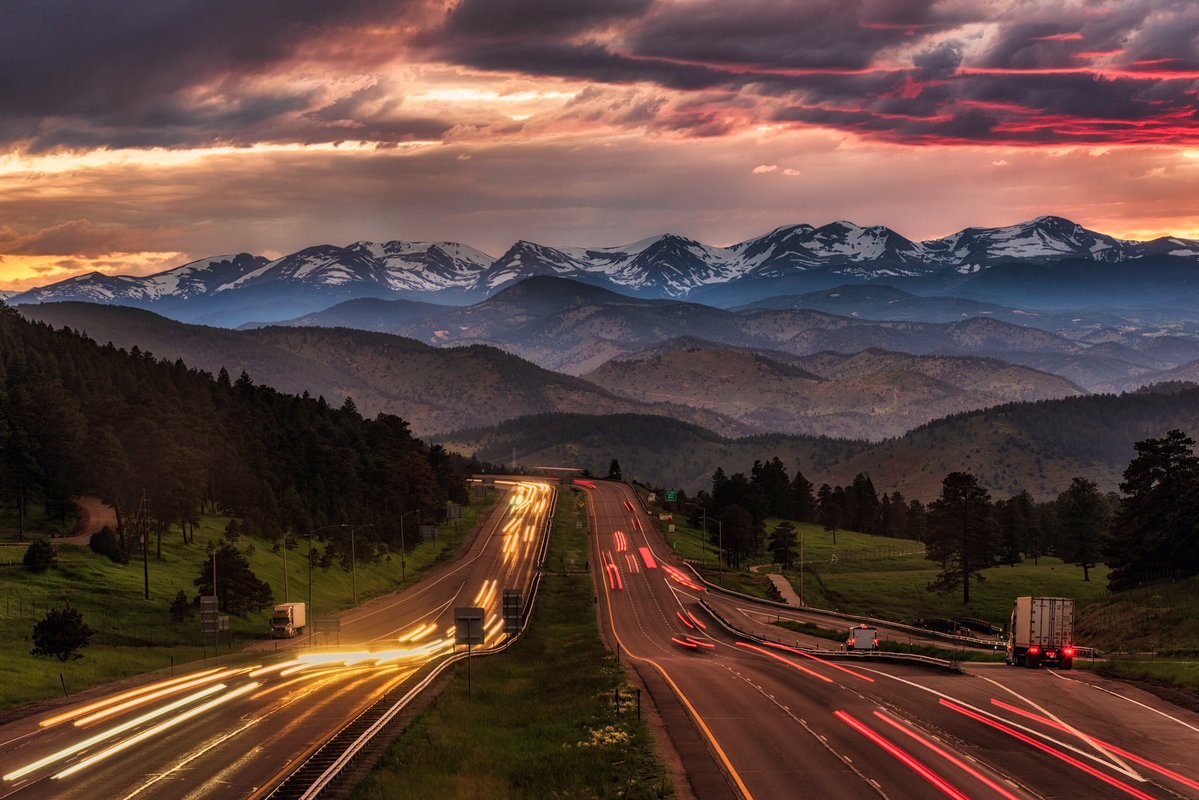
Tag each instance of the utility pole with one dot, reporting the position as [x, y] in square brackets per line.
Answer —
[285, 595]
[145, 543]
[720, 559]
[403, 548]
[801, 569]
[703, 541]
[309, 617]
[354, 560]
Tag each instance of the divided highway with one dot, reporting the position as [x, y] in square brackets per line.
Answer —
[758, 721]
[238, 730]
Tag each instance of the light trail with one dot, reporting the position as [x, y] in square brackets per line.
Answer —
[157, 729]
[945, 754]
[112, 711]
[1053, 751]
[1144, 762]
[913, 763]
[116, 698]
[792, 664]
[111, 732]
[826, 662]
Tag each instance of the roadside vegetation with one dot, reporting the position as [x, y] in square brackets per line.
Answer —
[133, 635]
[543, 719]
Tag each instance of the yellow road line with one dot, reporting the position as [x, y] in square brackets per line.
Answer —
[736, 776]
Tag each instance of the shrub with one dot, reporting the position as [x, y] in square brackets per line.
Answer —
[40, 557]
[62, 633]
[105, 543]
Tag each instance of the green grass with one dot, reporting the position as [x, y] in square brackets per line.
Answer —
[1184, 674]
[543, 720]
[135, 635]
[886, 577]
[894, 647]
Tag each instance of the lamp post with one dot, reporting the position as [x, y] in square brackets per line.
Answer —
[403, 559]
[354, 560]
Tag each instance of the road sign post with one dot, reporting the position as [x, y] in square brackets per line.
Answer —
[210, 620]
[513, 605]
[468, 630]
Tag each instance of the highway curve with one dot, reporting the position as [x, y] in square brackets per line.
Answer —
[767, 722]
[238, 731]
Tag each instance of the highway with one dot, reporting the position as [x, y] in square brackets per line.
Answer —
[237, 730]
[769, 722]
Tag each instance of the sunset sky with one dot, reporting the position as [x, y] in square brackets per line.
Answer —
[138, 135]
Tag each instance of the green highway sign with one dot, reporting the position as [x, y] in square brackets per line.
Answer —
[671, 495]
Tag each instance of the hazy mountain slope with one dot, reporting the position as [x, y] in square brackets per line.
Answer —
[870, 395]
[1040, 446]
[366, 313]
[434, 389]
[648, 448]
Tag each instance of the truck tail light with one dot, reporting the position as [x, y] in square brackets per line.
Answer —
[1068, 652]
[1034, 650]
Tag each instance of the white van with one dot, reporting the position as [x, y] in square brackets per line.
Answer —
[862, 638]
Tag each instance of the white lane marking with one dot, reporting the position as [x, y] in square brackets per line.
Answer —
[1129, 770]
[1010, 723]
[1129, 699]
[823, 741]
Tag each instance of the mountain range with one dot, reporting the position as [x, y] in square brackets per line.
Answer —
[575, 328]
[976, 263]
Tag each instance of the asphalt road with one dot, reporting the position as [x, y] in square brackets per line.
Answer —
[773, 723]
[237, 732]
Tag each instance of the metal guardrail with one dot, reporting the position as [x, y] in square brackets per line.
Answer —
[903, 658]
[849, 617]
[339, 764]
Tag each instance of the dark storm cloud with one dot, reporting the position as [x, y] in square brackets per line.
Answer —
[189, 73]
[522, 18]
[121, 72]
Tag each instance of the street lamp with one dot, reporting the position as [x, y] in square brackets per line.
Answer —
[354, 560]
[403, 559]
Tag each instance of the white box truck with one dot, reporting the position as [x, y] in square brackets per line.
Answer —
[288, 620]
[1041, 632]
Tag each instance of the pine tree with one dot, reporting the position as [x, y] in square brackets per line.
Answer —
[783, 544]
[961, 533]
[1083, 515]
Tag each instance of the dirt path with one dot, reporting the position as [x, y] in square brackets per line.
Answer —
[93, 515]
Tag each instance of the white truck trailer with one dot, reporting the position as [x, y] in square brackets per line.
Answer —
[288, 620]
[1041, 632]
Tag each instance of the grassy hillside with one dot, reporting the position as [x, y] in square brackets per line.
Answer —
[135, 635]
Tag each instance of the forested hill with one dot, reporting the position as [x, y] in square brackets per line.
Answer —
[1037, 446]
[77, 418]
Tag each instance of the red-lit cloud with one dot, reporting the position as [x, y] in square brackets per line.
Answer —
[153, 98]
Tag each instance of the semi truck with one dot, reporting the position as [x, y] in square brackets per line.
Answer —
[1041, 632]
[288, 620]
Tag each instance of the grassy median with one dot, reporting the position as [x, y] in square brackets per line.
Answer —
[542, 721]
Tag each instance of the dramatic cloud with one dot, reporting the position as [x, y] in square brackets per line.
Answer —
[132, 133]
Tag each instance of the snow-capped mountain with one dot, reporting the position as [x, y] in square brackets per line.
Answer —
[240, 288]
[195, 279]
[838, 244]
